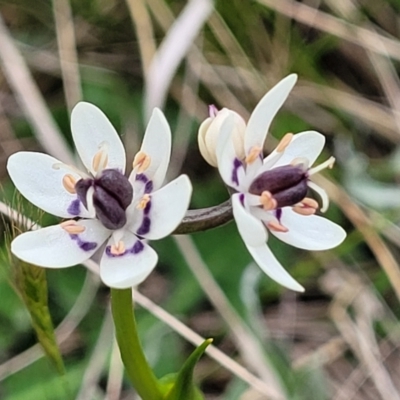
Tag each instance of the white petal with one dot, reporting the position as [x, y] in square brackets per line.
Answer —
[229, 166]
[157, 144]
[250, 228]
[53, 247]
[262, 116]
[307, 145]
[34, 176]
[309, 232]
[167, 208]
[130, 268]
[272, 267]
[91, 129]
[209, 156]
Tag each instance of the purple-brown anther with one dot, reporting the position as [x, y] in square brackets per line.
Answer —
[112, 194]
[287, 184]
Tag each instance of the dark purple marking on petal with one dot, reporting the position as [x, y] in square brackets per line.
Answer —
[145, 227]
[137, 247]
[241, 198]
[149, 187]
[147, 208]
[142, 178]
[278, 214]
[75, 207]
[85, 246]
[236, 165]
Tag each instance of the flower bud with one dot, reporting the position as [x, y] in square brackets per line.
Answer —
[209, 132]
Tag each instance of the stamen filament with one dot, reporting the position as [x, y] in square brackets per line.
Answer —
[72, 169]
[327, 164]
[322, 194]
[89, 202]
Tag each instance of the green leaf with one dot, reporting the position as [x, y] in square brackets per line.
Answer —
[30, 283]
[183, 387]
[32, 286]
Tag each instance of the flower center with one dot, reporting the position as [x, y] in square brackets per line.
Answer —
[281, 186]
[112, 194]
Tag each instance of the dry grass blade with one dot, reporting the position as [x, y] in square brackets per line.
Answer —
[324, 354]
[373, 114]
[30, 98]
[67, 51]
[181, 138]
[172, 50]
[144, 32]
[115, 374]
[206, 73]
[97, 360]
[255, 82]
[335, 26]
[359, 334]
[364, 225]
[389, 82]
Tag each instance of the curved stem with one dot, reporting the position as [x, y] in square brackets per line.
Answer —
[137, 367]
[205, 218]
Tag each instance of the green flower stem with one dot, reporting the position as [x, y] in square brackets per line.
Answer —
[136, 365]
[205, 218]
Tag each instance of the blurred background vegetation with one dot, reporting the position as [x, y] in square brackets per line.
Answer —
[340, 339]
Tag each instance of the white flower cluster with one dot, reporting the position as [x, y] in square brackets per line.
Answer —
[104, 210]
